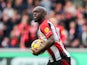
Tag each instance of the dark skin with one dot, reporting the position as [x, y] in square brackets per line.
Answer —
[39, 14]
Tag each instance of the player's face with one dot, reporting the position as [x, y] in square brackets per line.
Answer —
[37, 14]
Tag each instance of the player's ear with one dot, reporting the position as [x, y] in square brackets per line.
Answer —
[45, 13]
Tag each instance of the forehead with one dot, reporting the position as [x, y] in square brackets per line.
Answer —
[39, 8]
[36, 9]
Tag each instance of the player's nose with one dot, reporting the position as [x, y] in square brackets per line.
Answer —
[34, 14]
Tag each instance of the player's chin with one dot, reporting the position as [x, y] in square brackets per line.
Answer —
[36, 20]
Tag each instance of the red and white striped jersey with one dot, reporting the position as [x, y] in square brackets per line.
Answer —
[56, 51]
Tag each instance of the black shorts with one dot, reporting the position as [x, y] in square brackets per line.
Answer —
[66, 61]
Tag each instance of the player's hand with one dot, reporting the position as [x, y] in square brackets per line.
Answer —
[35, 52]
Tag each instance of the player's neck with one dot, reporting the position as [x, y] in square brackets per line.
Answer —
[40, 21]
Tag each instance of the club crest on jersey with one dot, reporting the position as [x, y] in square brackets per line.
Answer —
[46, 30]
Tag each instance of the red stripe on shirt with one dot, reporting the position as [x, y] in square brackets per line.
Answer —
[52, 54]
[60, 49]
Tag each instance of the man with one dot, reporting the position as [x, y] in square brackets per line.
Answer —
[47, 32]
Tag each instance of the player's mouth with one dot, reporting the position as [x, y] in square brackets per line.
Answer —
[35, 17]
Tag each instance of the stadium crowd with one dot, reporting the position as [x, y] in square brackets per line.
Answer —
[18, 30]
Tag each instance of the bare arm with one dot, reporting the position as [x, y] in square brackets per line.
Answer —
[49, 43]
[50, 40]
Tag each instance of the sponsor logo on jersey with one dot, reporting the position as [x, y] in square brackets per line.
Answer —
[46, 30]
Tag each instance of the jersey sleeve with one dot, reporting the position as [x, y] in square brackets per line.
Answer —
[46, 30]
[56, 33]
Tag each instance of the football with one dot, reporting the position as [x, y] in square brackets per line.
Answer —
[37, 44]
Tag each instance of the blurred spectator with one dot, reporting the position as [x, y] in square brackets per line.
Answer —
[72, 31]
[75, 43]
[15, 19]
[47, 4]
[15, 37]
[30, 3]
[30, 7]
[17, 28]
[19, 6]
[36, 3]
[51, 14]
[60, 30]
[60, 1]
[8, 26]
[58, 8]
[85, 3]
[5, 42]
[33, 31]
[24, 28]
[70, 8]
[83, 35]
[78, 2]
[2, 5]
[9, 11]
[80, 21]
[2, 27]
